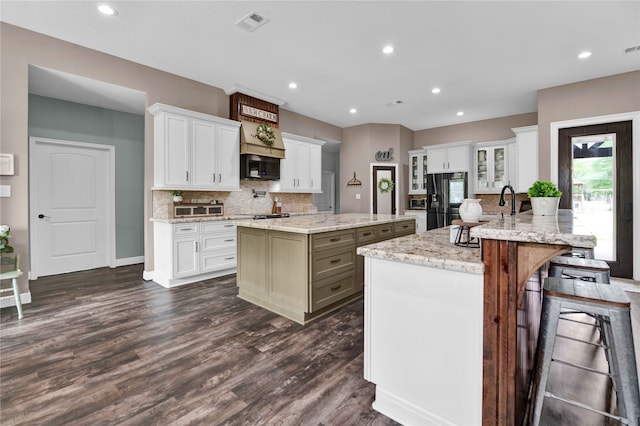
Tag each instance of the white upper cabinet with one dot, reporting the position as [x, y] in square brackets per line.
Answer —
[526, 164]
[301, 169]
[418, 172]
[492, 166]
[448, 158]
[193, 150]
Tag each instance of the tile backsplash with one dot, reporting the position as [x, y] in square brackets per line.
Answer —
[237, 202]
[490, 202]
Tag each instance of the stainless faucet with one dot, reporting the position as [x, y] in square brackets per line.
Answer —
[513, 199]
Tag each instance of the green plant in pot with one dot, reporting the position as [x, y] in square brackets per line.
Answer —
[7, 263]
[545, 197]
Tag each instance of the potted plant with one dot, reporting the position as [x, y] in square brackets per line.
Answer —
[177, 196]
[7, 263]
[545, 197]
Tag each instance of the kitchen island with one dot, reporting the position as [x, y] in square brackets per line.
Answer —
[303, 267]
[449, 331]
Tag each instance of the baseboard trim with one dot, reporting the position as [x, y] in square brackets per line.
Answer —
[129, 261]
[147, 275]
[405, 412]
[8, 301]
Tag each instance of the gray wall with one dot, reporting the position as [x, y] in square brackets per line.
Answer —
[56, 119]
[331, 163]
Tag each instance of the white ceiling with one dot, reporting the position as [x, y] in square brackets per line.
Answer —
[489, 58]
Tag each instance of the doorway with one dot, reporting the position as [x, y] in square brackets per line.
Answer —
[384, 188]
[72, 206]
[595, 176]
[325, 202]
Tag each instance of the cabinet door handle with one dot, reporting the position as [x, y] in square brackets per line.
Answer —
[448, 166]
[228, 226]
[229, 258]
[228, 241]
[336, 287]
[334, 239]
[312, 183]
[195, 243]
[185, 229]
[335, 260]
[384, 230]
[366, 234]
[213, 177]
[443, 166]
[186, 176]
[219, 177]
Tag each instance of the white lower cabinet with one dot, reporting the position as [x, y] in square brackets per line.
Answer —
[193, 251]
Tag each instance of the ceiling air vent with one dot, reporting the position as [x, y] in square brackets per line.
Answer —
[252, 21]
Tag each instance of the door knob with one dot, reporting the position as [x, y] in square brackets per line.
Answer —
[42, 216]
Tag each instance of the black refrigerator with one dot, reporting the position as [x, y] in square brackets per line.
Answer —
[445, 193]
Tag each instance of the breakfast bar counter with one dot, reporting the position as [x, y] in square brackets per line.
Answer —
[449, 331]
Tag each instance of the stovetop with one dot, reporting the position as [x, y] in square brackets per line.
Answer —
[270, 216]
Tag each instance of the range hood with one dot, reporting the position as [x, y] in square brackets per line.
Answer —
[250, 144]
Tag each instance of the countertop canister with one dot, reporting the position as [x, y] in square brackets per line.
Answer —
[470, 210]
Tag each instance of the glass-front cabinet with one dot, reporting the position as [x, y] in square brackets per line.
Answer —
[417, 172]
[492, 167]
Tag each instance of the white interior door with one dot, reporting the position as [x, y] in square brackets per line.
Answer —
[72, 204]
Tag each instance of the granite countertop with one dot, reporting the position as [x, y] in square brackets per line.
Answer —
[525, 227]
[322, 223]
[432, 248]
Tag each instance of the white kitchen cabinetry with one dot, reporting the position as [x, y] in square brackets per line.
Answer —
[193, 251]
[417, 172]
[526, 164]
[448, 158]
[492, 166]
[194, 151]
[301, 169]
[421, 219]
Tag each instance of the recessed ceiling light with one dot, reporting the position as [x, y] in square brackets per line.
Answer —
[388, 49]
[107, 10]
[435, 90]
[584, 54]
[460, 113]
[353, 110]
[293, 85]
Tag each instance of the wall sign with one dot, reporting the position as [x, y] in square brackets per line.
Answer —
[258, 113]
[384, 155]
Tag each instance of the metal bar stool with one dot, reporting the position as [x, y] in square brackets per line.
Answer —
[580, 269]
[583, 252]
[612, 305]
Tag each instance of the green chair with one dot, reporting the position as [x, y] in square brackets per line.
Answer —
[11, 271]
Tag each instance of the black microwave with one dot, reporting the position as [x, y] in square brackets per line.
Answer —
[257, 167]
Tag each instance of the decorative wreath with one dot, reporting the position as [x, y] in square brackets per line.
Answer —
[266, 135]
[385, 185]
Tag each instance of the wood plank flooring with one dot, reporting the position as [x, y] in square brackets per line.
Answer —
[105, 347]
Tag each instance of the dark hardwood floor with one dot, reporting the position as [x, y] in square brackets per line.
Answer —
[105, 347]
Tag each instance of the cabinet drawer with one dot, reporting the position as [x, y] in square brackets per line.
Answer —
[211, 242]
[218, 226]
[332, 262]
[185, 228]
[216, 261]
[326, 292]
[329, 240]
[366, 235]
[404, 228]
[384, 232]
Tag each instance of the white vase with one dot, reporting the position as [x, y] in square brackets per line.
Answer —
[470, 210]
[545, 206]
[177, 198]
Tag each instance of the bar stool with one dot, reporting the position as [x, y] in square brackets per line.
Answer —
[612, 305]
[583, 252]
[580, 268]
[13, 275]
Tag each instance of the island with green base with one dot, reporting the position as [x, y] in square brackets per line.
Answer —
[303, 267]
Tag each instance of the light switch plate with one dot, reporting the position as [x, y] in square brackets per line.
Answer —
[357, 196]
[5, 190]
